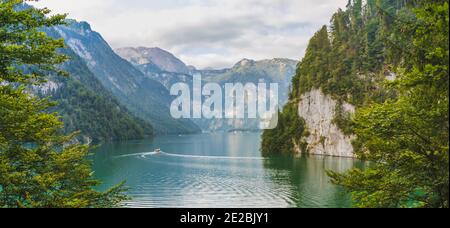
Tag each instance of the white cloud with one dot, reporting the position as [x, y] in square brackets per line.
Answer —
[206, 33]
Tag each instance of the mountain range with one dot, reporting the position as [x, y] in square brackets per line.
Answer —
[167, 69]
[85, 105]
[124, 94]
[142, 96]
[155, 57]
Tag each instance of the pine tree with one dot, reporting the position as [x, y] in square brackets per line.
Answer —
[313, 69]
[407, 138]
[39, 167]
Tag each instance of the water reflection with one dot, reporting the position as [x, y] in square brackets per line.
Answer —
[217, 170]
[305, 182]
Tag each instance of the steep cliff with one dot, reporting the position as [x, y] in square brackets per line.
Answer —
[85, 105]
[345, 68]
[144, 97]
[324, 136]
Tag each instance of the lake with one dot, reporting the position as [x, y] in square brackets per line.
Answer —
[217, 170]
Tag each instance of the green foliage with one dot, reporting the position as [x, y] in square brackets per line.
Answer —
[24, 45]
[407, 138]
[312, 71]
[39, 167]
[95, 116]
[346, 61]
[84, 105]
[285, 137]
[343, 120]
[402, 125]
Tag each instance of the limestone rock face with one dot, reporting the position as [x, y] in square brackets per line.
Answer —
[325, 137]
[164, 60]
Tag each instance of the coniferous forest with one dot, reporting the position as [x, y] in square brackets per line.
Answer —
[401, 124]
[381, 65]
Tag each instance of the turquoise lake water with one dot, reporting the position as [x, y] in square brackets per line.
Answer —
[217, 170]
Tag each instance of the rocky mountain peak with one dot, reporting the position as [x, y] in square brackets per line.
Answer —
[244, 62]
[165, 60]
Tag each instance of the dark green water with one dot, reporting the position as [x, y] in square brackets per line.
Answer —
[218, 170]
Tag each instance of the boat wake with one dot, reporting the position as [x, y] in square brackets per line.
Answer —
[137, 155]
[153, 153]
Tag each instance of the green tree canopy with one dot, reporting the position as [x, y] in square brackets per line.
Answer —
[39, 167]
[407, 138]
[402, 123]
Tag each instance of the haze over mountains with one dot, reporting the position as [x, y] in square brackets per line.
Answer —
[86, 105]
[127, 90]
[164, 60]
[144, 97]
[167, 69]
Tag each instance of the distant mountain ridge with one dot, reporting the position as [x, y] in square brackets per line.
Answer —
[164, 60]
[140, 79]
[85, 105]
[144, 97]
[277, 70]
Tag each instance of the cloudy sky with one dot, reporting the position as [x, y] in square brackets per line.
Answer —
[205, 33]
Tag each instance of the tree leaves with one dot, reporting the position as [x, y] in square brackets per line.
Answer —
[407, 138]
[39, 167]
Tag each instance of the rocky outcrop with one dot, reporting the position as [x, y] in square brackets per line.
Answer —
[325, 138]
[164, 60]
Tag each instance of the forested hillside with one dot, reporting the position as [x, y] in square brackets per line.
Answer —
[347, 60]
[389, 59]
[86, 106]
[83, 104]
[144, 97]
